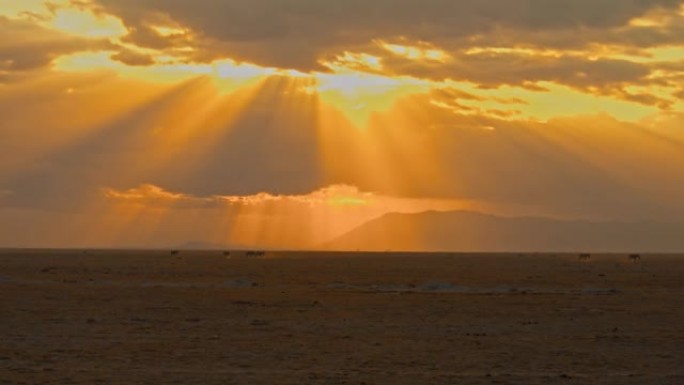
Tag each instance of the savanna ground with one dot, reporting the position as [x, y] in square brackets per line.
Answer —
[124, 317]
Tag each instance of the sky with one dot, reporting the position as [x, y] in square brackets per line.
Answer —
[287, 123]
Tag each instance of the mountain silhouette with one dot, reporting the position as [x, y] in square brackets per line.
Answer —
[477, 232]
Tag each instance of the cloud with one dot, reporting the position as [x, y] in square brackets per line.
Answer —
[597, 47]
[591, 46]
[133, 58]
[148, 194]
[330, 197]
[296, 33]
[516, 68]
[26, 47]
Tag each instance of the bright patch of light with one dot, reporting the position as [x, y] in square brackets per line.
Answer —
[416, 53]
[351, 84]
[522, 52]
[350, 61]
[228, 69]
[169, 31]
[645, 22]
[88, 24]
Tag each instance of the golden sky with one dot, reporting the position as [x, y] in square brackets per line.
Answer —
[284, 123]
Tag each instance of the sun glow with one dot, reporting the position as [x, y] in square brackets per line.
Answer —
[359, 95]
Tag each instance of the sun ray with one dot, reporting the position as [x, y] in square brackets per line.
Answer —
[74, 105]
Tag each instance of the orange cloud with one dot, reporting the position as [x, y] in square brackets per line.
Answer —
[335, 196]
[146, 193]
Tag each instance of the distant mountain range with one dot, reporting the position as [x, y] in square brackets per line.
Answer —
[477, 232]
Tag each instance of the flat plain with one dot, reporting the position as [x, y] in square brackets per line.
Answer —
[150, 317]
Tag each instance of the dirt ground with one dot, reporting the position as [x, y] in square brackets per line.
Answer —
[114, 317]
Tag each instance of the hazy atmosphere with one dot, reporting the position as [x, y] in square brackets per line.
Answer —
[304, 192]
[304, 123]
